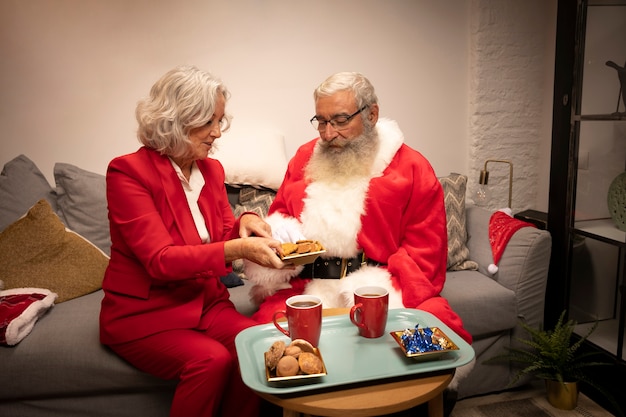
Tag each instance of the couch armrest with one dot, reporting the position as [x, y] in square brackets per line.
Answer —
[523, 267]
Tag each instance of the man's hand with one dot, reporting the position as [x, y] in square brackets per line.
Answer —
[288, 230]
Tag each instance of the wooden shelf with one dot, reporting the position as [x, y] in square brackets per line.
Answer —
[600, 117]
[605, 229]
[605, 335]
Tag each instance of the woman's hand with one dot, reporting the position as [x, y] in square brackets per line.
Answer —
[260, 250]
[253, 225]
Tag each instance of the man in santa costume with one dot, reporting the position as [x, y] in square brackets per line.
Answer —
[374, 203]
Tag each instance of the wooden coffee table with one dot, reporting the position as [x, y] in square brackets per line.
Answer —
[372, 399]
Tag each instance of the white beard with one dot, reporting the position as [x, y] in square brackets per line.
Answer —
[351, 159]
[335, 198]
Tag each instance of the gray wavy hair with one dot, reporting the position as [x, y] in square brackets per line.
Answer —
[357, 83]
[182, 99]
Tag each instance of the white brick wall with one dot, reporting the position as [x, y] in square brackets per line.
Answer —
[511, 46]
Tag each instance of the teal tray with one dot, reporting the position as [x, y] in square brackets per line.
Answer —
[349, 358]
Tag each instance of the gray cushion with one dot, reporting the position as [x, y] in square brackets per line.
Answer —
[81, 196]
[485, 306]
[21, 185]
[478, 237]
[67, 336]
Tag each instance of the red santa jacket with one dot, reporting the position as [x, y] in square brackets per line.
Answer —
[403, 224]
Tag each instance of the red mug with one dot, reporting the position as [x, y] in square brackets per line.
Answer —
[304, 318]
[369, 312]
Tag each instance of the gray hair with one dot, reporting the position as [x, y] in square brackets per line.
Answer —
[357, 83]
[182, 99]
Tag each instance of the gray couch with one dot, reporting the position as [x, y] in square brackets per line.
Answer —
[61, 369]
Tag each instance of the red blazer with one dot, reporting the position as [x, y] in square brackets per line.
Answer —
[160, 276]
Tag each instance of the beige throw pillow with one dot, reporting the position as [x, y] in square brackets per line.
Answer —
[254, 200]
[38, 251]
[454, 186]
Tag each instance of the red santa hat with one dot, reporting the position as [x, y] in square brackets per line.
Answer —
[20, 308]
[502, 226]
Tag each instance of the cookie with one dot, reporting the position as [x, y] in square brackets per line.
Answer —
[309, 363]
[303, 345]
[301, 247]
[305, 247]
[273, 355]
[289, 248]
[292, 350]
[287, 366]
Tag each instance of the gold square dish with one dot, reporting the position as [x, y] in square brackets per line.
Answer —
[438, 337]
[304, 258]
[300, 378]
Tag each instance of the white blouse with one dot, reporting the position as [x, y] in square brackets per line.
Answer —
[192, 192]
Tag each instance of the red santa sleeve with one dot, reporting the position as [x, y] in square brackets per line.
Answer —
[419, 264]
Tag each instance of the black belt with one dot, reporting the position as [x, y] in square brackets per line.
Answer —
[335, 268]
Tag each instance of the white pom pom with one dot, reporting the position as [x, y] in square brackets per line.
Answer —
[492, 268]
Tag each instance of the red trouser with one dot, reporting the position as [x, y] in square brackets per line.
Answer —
[204, 362]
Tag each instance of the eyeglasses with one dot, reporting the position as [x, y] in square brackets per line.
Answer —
[338, 122]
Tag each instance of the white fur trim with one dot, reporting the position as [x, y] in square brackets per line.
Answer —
[336, 293]
[267, 280]
[21, 326]
[332, 214]
[391, 138]
[27, 290]
[327, 290]
[507, 210]
[375, 276]
[285, 228]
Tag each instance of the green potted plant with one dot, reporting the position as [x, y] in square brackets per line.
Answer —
[552, 355]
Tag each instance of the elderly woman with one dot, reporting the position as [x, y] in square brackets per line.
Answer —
[173, 235]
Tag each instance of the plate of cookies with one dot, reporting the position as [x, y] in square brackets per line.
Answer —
[302, 252]
[293, 362]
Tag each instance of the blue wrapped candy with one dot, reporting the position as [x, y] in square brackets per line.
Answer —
[419, 340]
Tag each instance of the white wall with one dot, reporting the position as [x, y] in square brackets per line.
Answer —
[72, 70]
[511, 88]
